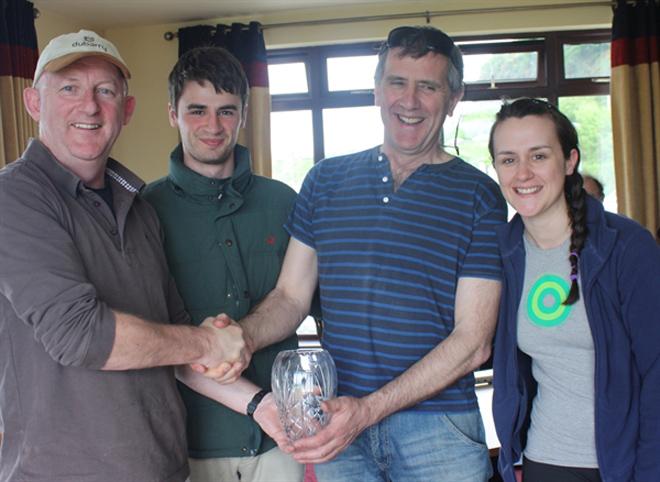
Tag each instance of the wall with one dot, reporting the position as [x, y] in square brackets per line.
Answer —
[49, 25]
[145, 143]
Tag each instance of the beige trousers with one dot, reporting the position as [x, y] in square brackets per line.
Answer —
[272, 466]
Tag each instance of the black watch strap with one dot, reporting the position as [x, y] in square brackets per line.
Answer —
[254, 403]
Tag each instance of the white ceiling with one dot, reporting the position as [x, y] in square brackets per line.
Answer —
[123, 13]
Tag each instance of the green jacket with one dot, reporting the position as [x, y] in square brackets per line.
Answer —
[225, 243]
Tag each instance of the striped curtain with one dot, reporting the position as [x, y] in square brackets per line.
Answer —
[246, 43]
[18, 59]
[635, 94]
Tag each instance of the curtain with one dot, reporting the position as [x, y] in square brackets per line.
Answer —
[635, 96]
[246, 43]
[18, 59]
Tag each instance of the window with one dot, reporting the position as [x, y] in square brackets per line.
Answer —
[351, 129]
[471, 125]
[361, 68]
[290, 78]
[498, 68]
[323, 104]
[292, 146]
[334, 86]
[591, 60]
[591, 117]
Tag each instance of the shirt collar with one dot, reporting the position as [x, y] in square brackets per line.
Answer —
[38, 153]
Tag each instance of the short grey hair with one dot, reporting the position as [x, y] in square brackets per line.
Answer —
[415, 43]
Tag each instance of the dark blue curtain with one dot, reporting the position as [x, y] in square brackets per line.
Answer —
[18, 39]
[245, 42]
[18, 59]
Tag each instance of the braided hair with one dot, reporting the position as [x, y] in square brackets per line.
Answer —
[573, 191]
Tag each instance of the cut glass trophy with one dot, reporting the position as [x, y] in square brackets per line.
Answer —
[301, 380]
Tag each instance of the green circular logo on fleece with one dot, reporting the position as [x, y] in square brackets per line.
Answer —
[544, 302]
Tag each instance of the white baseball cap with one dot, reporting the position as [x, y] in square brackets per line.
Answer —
[66, 49]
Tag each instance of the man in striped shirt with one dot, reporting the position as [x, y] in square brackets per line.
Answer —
[400, 239]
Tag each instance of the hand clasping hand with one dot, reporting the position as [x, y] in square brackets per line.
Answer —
[228, 353]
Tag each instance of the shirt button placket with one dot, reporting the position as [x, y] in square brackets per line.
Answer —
[385, 179]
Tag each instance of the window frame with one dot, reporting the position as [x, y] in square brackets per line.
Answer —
[318, 96]
[550, 83]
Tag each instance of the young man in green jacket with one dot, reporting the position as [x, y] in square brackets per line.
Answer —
[225, 243]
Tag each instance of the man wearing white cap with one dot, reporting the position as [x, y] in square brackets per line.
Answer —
[90, 320]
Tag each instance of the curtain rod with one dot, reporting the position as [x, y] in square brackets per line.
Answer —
[427, 15]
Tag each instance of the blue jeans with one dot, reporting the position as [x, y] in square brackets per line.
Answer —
[415, 446]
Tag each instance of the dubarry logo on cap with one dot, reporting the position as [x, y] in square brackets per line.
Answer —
[66, 49]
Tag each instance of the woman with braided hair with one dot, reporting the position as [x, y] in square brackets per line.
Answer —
[577, 350]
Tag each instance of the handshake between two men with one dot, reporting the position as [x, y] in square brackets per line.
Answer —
[227, 354]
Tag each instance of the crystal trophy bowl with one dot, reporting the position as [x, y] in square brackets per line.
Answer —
[301, 380]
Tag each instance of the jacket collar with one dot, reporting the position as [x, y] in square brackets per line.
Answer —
[600, 240]
[69, 182]
[196, 184]
[509, 235]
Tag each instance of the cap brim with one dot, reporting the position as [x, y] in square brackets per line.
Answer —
[65, 60]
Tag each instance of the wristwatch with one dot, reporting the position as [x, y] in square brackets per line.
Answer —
[252, 406]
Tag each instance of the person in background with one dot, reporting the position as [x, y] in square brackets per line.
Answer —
[225, 242]
[401, 239]
[577, 349]
[90, 319]
[593, 187]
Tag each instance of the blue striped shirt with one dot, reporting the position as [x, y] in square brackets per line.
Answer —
[389, 262]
